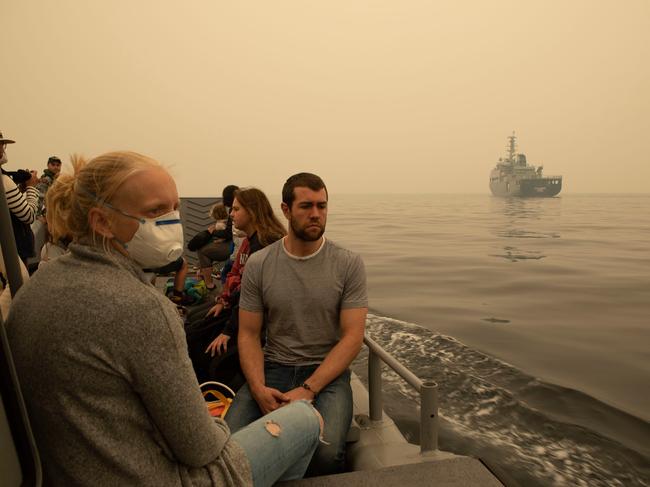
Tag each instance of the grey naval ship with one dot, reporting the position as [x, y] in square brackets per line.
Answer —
[513, 176]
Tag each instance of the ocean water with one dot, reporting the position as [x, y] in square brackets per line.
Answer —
[532, 315]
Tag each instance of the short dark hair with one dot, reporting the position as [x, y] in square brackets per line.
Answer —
[54, 160]
[304, 180]
[228, 194]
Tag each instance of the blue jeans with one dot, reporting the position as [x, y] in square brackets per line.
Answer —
[287, 455]
[334, 403]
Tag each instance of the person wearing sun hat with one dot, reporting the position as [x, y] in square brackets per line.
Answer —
[22, 206]
[5, 292]
[3, 144]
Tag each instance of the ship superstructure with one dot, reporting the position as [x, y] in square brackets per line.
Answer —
[513, 176]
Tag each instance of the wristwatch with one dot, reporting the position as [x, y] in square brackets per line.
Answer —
[304, 385]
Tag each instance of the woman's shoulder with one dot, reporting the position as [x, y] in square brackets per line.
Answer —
[97, 293]
[93, 275]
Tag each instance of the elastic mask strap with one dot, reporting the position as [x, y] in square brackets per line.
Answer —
[107, 204]
[111, 207]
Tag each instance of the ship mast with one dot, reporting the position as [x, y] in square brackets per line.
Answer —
[512, 147]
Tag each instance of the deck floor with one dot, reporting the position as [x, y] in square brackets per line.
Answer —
[455, 472]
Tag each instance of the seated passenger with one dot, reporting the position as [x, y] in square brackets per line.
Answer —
[206, 242]
[252, 213]
[179, 268]
[219, 214]
[216, 246]
[103, 368]
[310, 295]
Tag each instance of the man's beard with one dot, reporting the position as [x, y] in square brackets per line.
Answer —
[3, 159]
[302, 234]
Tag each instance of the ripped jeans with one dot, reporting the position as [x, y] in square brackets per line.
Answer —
[279, 446]
[334, 403]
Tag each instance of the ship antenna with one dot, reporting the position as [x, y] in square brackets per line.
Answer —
[512, 147]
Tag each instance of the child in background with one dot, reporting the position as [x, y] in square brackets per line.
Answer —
[219, 214]
[210, 248]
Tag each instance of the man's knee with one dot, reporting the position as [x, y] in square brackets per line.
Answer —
[329, 458]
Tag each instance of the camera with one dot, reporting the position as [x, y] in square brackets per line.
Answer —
[20, 176]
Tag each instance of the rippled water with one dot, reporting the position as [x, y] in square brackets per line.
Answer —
[533, 315]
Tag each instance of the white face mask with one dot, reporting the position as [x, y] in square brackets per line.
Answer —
[158, 241]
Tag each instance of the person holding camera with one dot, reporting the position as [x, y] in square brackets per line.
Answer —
[22, 199]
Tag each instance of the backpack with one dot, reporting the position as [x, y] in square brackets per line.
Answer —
[195, 289]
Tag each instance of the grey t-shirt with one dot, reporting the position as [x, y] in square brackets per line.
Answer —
[301, 298]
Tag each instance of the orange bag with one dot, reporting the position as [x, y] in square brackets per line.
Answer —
[221, 398]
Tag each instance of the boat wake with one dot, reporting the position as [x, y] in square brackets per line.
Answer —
[537, 433]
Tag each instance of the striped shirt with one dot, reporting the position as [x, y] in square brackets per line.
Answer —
[23, 205]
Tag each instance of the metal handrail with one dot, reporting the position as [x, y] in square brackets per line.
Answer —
[428, 393]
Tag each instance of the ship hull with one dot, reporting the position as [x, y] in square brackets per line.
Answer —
[527, 188]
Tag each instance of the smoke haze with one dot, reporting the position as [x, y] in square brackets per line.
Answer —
[374, 96]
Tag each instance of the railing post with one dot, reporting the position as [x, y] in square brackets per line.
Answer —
[428, 416]
[374, 386]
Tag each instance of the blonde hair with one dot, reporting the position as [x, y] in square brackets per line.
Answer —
[266, 224]
[91, 184]
[218, 212]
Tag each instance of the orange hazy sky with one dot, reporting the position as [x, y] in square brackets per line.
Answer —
[375, 96]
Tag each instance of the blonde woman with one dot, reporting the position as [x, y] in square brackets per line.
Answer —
[101, 354]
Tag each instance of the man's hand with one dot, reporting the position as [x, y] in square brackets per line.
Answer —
[300, 393]
[269, 399]
[217, 344]
[215, 310]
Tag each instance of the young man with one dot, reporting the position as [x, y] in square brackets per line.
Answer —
[310, 295]
[50, 173]
[39, 227]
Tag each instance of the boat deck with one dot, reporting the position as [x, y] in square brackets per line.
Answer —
[452, 472]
